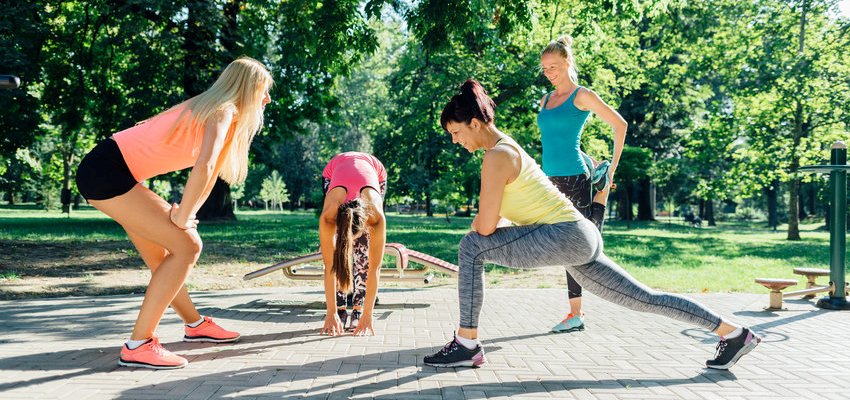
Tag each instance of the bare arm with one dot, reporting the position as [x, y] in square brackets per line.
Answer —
[589, 100]
[327, 230]
[202, 176]
[501, 164]
[377, 240]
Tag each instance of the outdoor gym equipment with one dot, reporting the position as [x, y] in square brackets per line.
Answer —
[837, 170]
[837, 288]
[402, 272]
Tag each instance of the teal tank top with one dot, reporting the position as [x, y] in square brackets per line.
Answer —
[560, 134]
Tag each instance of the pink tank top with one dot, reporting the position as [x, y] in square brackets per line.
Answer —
[354, 171]
[149, 150]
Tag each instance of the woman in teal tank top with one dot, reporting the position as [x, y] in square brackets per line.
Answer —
[563, 113]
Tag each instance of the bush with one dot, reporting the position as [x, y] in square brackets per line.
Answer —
[750, 214]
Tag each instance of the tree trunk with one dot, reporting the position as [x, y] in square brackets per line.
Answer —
[646, 212]
[219, 206]
[709, 212]
[428, 211]
[799, 131]
[65, 195]
[772, 204]
[813, 194]
[229, 34]
[624, 204]
[199, 65]
[793, 215]
[827, 213]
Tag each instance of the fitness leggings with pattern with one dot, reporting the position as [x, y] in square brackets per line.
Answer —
[360, 266]
[578, 189]
[576, 245]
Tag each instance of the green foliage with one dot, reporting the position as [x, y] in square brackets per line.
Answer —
[727, 96]
[274, 191]
[162, 187]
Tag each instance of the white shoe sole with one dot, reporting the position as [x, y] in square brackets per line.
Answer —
[468, 363]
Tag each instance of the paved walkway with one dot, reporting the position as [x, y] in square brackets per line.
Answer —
[67, 348]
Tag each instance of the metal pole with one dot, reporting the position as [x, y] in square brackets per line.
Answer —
[837, 299]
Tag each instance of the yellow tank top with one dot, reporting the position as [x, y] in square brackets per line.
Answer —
[532, 198]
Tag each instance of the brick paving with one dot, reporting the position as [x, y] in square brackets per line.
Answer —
[67, 349]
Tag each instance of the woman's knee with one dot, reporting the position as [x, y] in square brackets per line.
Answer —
[469, 244]
[189, 247]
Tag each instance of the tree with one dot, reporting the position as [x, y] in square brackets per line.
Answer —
[274, 191]
[795, 81]
[237, 192]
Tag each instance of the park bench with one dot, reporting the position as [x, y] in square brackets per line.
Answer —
[300, 268]
[776, 286]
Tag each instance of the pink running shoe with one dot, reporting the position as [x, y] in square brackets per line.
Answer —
[152, 355]
[209, 331]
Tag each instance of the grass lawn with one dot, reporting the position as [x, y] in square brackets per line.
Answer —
[670, 257]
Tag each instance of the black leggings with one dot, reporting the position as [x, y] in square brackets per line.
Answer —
[578, 189]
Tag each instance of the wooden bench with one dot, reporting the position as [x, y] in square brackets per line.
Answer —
[811, 274]
[776, 287]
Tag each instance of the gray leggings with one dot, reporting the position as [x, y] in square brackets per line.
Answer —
[577, 246]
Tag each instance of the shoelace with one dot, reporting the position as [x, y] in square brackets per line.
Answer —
[156, 347]
[449, 347]
[721, 346]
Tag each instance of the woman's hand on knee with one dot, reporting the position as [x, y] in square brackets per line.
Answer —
[184, 223]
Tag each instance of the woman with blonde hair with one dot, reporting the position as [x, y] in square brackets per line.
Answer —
[211, 133]
[352, 226]
[561, 119]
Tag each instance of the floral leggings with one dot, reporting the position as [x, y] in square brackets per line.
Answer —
[360, 266]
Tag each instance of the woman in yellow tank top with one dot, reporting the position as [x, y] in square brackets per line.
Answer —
[549, 231]
[211, 133]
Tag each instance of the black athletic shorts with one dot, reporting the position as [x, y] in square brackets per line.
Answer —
[103, 173]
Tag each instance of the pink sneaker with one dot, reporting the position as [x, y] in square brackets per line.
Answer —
[209, 331]
[152, 355]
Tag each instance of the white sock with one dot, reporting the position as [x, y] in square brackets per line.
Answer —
[468, 343]
[134, 344]
[737, 332]
[196, 323]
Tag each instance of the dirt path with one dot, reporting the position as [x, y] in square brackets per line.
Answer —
[29, 270]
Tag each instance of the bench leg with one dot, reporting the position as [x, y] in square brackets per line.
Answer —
[775, 300]
[810, 283]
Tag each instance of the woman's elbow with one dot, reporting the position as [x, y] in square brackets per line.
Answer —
[205, 167]
[486, 231]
